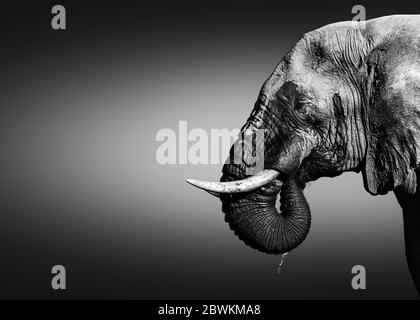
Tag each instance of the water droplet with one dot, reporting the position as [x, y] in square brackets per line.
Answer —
[281, 262]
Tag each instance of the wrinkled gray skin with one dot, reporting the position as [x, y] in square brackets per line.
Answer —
[346, 97]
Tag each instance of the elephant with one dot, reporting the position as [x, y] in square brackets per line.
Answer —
[345, 97]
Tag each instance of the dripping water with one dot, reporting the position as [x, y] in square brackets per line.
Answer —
[281, 262]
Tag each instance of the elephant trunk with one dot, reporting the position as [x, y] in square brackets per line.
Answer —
[255, 220]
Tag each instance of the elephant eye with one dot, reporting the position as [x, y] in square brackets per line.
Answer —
[299, 106]
[304, 104]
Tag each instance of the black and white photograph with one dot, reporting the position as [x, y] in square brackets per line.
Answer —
[226, 152]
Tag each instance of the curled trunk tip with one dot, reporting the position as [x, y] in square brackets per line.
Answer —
[255, 219]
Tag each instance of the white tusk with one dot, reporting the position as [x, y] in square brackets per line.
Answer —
[247, 184]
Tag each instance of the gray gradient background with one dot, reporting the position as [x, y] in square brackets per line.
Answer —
[80, 187]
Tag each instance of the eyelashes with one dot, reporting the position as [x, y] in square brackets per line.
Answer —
[289, 103]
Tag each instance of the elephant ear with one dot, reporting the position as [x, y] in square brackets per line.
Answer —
[393, 142]
[389, 163]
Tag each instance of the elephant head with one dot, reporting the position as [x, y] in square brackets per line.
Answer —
[333, 104]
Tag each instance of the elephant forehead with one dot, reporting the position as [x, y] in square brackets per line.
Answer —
[318, 87]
